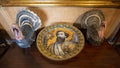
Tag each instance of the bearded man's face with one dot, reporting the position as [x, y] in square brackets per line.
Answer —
[61, 37]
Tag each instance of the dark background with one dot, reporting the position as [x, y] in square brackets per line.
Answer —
[104, 56]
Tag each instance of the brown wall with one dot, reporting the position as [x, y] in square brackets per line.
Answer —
[1, 26]
[52, 15]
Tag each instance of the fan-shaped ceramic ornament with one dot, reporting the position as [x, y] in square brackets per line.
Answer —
[28, 22]
[91, 17]
[94, 22]
[60, 42]
[27, 17]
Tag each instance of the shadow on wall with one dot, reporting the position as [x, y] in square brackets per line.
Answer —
[40, 13]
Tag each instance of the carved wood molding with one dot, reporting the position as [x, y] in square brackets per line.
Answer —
[82, 3]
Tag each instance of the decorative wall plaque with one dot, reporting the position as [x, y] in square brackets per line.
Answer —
[60, 42]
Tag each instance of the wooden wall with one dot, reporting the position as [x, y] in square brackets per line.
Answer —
[1, 26]
[52, 15]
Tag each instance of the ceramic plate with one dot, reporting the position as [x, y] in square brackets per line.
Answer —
[60, 42]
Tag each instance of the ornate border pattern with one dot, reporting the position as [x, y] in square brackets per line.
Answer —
[44, 52]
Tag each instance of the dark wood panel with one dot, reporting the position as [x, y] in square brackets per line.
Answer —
[103, 56]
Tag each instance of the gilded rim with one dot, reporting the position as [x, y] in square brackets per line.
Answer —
[45, 53]
[83, 3]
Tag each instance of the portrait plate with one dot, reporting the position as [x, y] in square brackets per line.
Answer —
[60, 42]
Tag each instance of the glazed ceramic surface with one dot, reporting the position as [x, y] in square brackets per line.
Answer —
[60, 42]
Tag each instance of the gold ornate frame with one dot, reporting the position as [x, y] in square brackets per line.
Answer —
[83, 3]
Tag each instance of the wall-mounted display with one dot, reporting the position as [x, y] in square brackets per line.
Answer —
[60, 42]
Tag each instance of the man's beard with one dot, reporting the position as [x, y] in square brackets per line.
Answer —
[60, 39]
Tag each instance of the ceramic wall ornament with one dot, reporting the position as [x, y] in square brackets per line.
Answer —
[28, 22]
[60, 42]
[19, 37]
[27, 17]
[94, 22]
